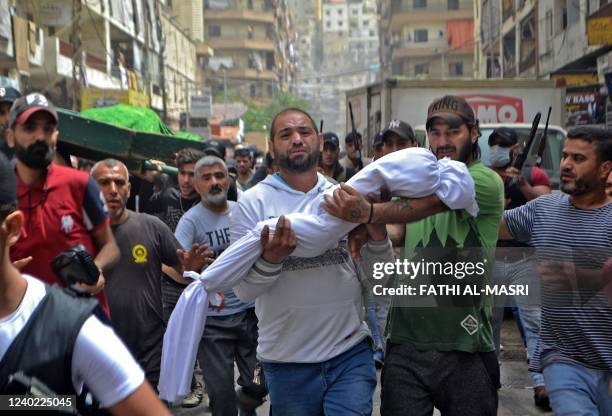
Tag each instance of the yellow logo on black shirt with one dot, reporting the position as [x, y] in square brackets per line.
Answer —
[140, 253]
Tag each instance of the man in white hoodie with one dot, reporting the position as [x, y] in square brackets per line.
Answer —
[313, 342]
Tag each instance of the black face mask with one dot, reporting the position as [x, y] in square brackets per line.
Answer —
[38, 155]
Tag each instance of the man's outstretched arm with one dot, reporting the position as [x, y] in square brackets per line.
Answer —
[350, 205]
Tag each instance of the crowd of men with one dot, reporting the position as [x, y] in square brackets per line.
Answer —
[305, 333]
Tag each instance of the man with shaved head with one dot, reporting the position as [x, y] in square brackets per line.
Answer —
[133, 288]
[312, 341]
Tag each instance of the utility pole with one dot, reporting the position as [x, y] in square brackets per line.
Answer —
[224, 93]
[381, 40]
[162, 60]
[490, 56]
[77, 57]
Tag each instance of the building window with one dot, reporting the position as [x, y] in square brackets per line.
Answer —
[421, 69]
[372, 33]
[420, 35]
[366, 23]
[214, 31]
[270, 61]
[328, 25]
[455, 69]
[560, 9]
[453, 4]
[340, 12]
[327, 12]
[340, 24]
[549, 24]
[419, 4]
[250, 4]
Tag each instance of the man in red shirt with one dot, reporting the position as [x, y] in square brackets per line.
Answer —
[62, 207]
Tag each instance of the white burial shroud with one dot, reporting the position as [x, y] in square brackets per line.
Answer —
[411, 173]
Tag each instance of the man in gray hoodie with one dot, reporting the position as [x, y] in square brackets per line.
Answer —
[314, 345]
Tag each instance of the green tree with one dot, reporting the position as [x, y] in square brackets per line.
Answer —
[259, 118]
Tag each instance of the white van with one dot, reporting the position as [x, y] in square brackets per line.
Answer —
[551, 158]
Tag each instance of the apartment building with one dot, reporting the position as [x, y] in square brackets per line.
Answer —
[338, 49]
[99, 52]
[429, 39]
[565, 40]
[253, 43]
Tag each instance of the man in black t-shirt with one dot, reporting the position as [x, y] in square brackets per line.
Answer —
[169, 203]
[133, 288]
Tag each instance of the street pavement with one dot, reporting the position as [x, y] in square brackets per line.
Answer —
[515, 396]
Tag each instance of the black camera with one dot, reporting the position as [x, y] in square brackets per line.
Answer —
[75, 265]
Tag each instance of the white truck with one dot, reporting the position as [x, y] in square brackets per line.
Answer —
[496, 103]
[493, 101]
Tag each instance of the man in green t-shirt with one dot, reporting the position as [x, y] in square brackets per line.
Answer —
[441, 356]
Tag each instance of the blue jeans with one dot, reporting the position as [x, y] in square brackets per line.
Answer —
[519, 272]
[343, 385]
[578, 391]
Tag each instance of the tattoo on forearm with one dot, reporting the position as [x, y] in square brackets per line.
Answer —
[405, 208]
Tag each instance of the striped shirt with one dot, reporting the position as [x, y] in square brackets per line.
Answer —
[580, 330]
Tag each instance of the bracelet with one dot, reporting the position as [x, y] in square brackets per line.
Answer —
[371, 212]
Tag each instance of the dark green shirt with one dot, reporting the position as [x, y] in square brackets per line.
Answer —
[454, 328]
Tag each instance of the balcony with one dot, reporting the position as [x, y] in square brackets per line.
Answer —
[424, 15]
[247, 15]
[58, 64]
[24, 47]
[251, 44]
[411, 49]
[440, 42]
[204, 49]
[250, 74]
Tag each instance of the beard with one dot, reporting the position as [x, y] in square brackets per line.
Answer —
[38, 155]
[216, 197]
[580, 186]
[116, 214]
[299, 164]
[462, 155]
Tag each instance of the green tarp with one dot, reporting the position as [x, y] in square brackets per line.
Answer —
[135, 118]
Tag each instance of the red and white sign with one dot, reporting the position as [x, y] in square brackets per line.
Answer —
[496, 108]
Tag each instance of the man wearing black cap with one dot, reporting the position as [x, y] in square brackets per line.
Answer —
[441, 356]
[42, 323]
[352, 142]
[512, 265]
[7, 96]
[329, 159]
[215, 148]
[62, 206]
[398, 136]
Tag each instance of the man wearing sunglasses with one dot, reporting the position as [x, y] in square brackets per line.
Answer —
[62, 207]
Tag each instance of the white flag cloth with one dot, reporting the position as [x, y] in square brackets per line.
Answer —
[412, 173]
